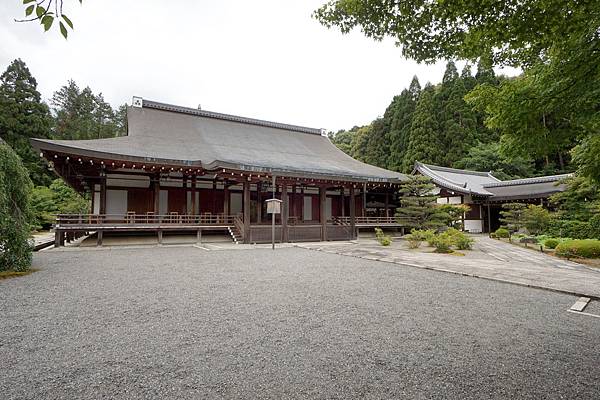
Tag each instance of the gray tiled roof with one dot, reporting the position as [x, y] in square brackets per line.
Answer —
[485, 184]
[160, 132]
[459, 180]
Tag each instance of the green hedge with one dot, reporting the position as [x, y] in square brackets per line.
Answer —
[572, 229]
[589, 248]
[551, 243]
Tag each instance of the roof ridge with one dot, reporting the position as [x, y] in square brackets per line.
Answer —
[525, 181]
[228, 117]
[459, 171]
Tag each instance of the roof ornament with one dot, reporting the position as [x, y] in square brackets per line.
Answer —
[137, 102]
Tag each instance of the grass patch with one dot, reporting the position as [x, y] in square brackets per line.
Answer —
[16, 274]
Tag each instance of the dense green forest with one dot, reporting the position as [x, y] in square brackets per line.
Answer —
[73, 113]
[445, 125]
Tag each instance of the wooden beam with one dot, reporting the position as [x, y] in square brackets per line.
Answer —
[322, 214]
[284, 213]
[246, 208]
[353, 212]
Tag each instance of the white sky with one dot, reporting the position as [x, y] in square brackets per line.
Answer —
[265, 59]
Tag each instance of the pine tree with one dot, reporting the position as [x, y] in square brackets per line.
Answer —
[513, 216]
[401, 124]
[23, 115]
[418, 204]
[423, 142]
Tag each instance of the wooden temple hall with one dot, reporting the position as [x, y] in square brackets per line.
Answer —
[188, 170]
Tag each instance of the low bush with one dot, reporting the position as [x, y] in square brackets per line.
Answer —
[587, 248]
[382, 238]
[442, 244]
[464, 243]
[595, 226]
[413, 241]
[551, 243]
[502, 233]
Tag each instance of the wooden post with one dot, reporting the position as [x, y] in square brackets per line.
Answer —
[364, 202]
[284, 213]
[343, 197]
[199, 236]
[99, 242]
[489, 215]
[301, 203]
[103, 195]
[160, 237]
[58, 238]
[292, 212]
[258, 203]
[322, 214]
[387, 204]
[193, 195]
[226, 198]
[246, 208]
[353, 212]
[156, 186]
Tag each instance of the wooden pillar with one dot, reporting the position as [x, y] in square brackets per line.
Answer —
[343, 197]
[292, 212]
[156, 187]
[193, 195]
[322, 214]
[246, 208]
[214, 197]
[364, 201]
[199, 236]
[284, 213]
[226, 198]
[353, 212]
[387, 204]
[103, 195]
[489, 217]
[99, 242]
[301, 203]
[58, 238]
[258, 203]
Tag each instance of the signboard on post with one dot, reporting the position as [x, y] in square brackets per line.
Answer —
[273, 207]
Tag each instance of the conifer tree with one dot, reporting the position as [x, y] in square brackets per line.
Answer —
[423, 142]
[401, 124]
[23, 115]
[459, 125]
[418, 204]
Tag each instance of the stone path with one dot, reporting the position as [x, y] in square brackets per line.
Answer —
[489, 259]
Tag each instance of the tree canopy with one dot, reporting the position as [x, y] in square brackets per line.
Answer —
[47, 12]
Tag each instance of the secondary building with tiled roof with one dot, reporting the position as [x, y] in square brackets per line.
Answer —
[485, 194]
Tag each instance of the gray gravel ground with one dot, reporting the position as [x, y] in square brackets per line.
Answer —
[180, 322]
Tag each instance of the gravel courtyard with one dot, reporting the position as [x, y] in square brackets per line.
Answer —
[182, 322]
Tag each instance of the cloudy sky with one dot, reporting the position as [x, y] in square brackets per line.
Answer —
[265, 59]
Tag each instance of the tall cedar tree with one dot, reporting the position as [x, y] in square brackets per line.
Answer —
[401, 124]
[418, 204]
[81, 114]
[23, 115]
[424, 143]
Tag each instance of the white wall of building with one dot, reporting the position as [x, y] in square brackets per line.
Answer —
[474, 226]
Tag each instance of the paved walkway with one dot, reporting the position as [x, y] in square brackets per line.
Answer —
[489, 259]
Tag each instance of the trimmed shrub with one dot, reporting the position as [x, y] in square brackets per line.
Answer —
[442, 244]
[413, 241]
[588, 248]
[382, 238]
[502, 233]
[424, 235]
[551, 243]
[595, 226]
[464, 243]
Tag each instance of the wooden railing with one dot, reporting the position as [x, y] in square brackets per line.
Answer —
[148, 218]
[365, 220]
